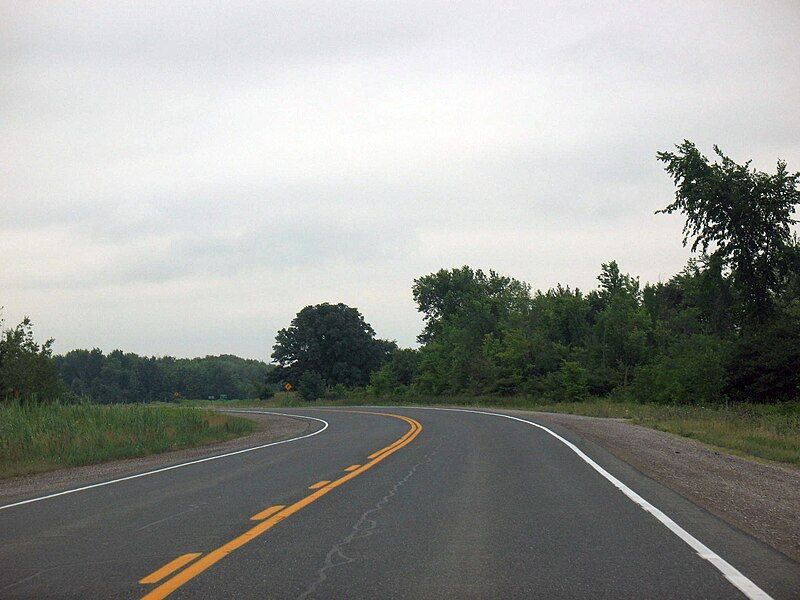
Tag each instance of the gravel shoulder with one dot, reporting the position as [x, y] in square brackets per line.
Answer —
[758, 498]
[271, 428]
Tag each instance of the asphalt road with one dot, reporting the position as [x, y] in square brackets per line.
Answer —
[435, 504]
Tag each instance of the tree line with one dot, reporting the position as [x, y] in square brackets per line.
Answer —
[726, 328]
[29, 372]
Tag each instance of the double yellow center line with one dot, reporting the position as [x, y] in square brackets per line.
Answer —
[213, 557]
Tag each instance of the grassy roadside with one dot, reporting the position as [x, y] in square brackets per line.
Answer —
[36, 438]
[760, 431]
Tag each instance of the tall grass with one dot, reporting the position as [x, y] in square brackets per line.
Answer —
[42, 437]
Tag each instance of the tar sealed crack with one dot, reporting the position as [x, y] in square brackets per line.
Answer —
[362, 528]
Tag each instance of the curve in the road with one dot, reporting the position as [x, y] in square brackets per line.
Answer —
[731, 573]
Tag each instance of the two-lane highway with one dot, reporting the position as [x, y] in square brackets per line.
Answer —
[388, 503]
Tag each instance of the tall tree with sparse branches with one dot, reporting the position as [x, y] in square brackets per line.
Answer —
[739, 215]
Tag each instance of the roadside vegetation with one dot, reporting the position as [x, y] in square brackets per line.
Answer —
[726, 329]
[711, 353]
[42, 437]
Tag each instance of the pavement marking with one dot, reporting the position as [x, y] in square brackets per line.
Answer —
[352, 468]
[267, 512]
[170, 567]
[319, 484]
[391, 446]
[213, 557]
[181, 465]
[733, 575]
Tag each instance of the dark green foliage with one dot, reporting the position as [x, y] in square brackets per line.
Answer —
[127, 377]
[27, 373]
[692, 371]
[462, 308]
[741, 215]
[311, 386]
[724, 328]
[466, 298]
[30, 373]
[337, 392]
[264, 391]
[699, 299]
[621, 328]
[569, 384]
[671, 343]
[765, 364]
[395, 377]
[334, 341]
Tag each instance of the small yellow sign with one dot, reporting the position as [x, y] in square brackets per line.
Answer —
[288, 387]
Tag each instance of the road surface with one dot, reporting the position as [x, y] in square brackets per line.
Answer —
[388, 503]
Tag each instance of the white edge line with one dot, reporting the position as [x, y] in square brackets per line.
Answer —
[186, 464]
[742, 583]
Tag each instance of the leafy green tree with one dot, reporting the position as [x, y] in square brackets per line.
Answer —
[690, 371]
[620, 330]
[699, 299]
[395, 377]
[569, 384]
[740, 216]
[27, 373]
[764, 365]
[311, 386]
[461, 307]
[466, 298]
[128, 377]
[333, 340]
[263, 390]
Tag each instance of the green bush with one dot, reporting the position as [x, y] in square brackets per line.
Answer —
[337, 392]
[764, 366]
[569, 384]
[27, 373]
[692, 372]
[311, 386]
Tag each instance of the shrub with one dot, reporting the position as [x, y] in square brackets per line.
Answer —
[265, 392]
[569, 384]
[691, 372]
[763, 366]
[27, 373]
[311, 386]
[337, 392]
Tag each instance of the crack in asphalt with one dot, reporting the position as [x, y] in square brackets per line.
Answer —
[363, 528]
[192, 507]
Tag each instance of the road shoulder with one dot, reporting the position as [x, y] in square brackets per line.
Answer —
[271, 428]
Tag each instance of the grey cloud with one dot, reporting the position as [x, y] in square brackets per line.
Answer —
[225, 164]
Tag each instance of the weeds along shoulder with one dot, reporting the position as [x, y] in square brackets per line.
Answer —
[35, 438]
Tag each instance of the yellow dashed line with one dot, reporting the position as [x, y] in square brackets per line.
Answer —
[321, 488]
[267, 512]
[170, 568]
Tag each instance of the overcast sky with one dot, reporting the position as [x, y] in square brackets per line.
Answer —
[183, 178]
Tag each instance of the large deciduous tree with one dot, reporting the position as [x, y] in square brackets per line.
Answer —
[461, 307]
[333, 340]
[739, 215]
